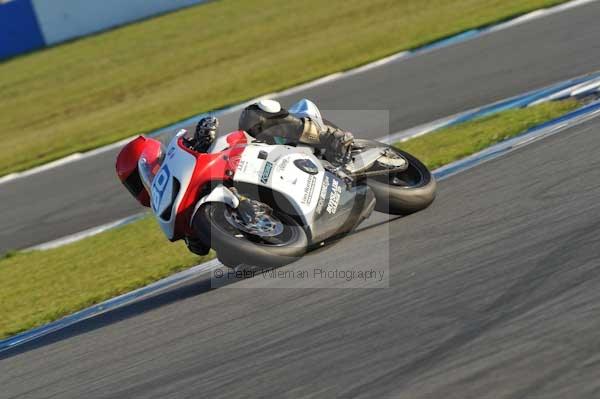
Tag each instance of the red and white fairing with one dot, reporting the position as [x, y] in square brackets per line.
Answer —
[273, 166]
[179, 185]
[293, 177]
[184, 174]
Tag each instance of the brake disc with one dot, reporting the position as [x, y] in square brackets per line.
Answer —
[264, 225]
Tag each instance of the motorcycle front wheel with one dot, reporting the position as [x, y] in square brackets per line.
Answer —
[271, 241]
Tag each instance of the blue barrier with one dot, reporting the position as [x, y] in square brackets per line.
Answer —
[19, 29]
[27, 25]
[62, 20]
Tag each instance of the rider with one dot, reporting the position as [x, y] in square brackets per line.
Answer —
[266, 120]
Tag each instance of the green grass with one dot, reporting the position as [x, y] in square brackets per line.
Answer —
[42, 286]
[97, 90]
[447, 145]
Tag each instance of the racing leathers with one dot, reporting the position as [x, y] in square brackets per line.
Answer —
[267, 120]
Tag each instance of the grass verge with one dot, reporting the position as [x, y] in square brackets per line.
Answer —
[450, 144]
[99, 89]
[39, 287]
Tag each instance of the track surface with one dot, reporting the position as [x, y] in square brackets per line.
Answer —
[494, 293]
[85, 194]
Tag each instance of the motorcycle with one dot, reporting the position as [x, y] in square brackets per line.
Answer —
[266, 205]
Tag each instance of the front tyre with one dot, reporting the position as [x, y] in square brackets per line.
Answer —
[405, 192]
[268, 243]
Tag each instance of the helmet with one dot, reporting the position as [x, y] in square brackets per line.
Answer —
[127, 165]
[255, 116]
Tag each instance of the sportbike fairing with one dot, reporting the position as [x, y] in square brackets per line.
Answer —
[294, 176]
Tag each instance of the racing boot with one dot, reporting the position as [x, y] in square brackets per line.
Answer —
[196, 246]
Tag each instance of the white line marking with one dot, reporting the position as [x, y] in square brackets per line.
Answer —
[111, 304]
[63, 161]
[504, 147]
[544, 12]
[588, 86]
[85, 233]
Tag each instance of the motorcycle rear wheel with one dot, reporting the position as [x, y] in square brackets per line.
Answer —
[404, 192]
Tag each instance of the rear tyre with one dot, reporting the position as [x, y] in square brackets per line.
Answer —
[236, 244]
[404, 192]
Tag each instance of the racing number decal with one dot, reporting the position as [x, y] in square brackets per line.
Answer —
[159, 184]
[330, 195]
[334, 198]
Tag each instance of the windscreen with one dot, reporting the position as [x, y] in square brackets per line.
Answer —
[148, 166]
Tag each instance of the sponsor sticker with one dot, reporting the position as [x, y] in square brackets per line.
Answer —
[309, 189]
[242, 166]
[266, 172]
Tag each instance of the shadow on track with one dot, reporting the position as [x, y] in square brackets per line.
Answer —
[188, 289]
[178, 293]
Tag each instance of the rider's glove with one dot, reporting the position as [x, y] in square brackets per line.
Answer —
[206, 132]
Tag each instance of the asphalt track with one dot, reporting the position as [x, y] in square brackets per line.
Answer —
[493, 293]
[81, 195]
